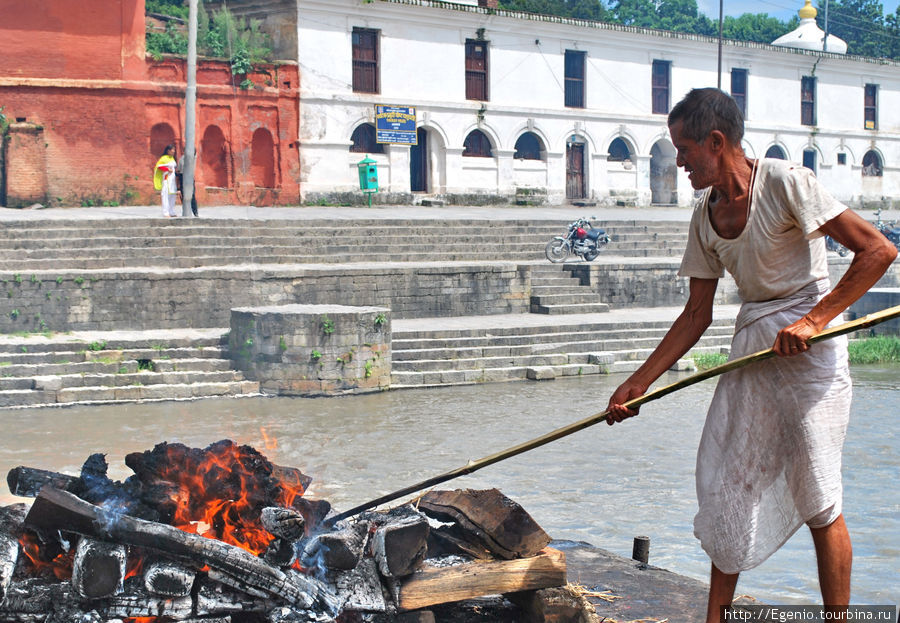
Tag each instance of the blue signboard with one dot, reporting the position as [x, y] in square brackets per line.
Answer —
[395, 124]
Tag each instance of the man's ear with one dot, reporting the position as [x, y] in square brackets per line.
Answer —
[716, 140]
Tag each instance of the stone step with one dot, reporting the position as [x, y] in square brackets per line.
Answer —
[114, 367]
[554, 335]
[126, 393]
[141, 377]
[109, 355]
[168, 346]
[569, 308]
[565, 297]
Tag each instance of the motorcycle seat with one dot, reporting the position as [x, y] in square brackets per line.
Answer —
[593, 234]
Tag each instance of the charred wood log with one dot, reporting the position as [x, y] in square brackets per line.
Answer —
[28, 481]
[339, 550]
[98, 569]
[138, 603]
[494, 520]
[214, 599]
[400, 546]
[284, 523]
[11, 518]
[34, 597]
[55, 509]
[360, 588]
[280, 553]
[168, 579]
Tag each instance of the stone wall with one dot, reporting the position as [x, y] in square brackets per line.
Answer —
[197, 298]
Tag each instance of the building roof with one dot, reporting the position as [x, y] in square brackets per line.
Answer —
[808, 35]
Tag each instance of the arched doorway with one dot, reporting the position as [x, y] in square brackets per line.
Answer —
[418, 163]
[214, 158]
[776, 152]
[575, 177]
[262, 159]
[663, 174]
[161, 135]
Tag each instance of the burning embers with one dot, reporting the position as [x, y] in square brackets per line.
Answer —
[224, 536]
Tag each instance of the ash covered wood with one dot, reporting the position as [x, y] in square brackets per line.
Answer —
[340, 549]
[27, 481]
[57, 510]
[168, 579]
[400, 545]
[285, 523]
[11, 518]
[98, 569]
[494, 520]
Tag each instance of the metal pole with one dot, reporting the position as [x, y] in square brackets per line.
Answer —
[190, 114]
[825, 40]
[721, 19]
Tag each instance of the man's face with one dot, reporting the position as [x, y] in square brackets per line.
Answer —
[696, 158]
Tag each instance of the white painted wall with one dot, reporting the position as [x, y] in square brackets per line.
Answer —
[422, 65]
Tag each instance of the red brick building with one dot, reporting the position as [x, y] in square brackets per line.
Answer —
[90, 114]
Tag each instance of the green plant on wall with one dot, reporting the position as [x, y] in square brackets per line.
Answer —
[327, 325]
[380, 319]
[315, 355]
[282, 345]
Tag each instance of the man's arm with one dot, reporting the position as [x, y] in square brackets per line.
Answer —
[683, 334]
[872, 255]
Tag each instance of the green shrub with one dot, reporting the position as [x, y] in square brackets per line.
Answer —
[705, 361]
[879, 349]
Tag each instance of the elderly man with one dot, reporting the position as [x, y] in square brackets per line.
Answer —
[770, 455]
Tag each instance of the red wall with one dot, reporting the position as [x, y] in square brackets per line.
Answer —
[78, 71]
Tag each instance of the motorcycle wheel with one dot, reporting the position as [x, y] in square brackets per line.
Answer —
[556, 251]
[591, 255]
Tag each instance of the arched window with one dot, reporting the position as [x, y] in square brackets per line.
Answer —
[776, 152]
[528, 147]
[161, 135]
[477, 144]
[363, 139]
[619, 151]
[872, 164]
[809, 159]
[262, 159]
[214, 157]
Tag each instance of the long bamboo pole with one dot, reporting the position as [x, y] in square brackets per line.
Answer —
[472, 466]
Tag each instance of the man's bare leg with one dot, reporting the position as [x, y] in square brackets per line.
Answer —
[721, 593]
[834, 557]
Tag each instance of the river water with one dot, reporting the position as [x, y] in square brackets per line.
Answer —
[602, 485]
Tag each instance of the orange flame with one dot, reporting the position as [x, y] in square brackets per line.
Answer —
[60, 566]
[140, 619]
[221, 497]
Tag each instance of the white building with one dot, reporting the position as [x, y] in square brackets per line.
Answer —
[511, 102]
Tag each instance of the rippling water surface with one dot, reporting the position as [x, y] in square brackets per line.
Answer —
[602, 485]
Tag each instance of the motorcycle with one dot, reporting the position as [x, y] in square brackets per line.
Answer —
[889, 230]
[582, 239]
[833, 245]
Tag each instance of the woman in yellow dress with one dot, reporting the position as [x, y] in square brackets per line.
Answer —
[164, 180]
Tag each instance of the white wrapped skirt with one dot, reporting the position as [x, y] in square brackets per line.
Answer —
[770, 455]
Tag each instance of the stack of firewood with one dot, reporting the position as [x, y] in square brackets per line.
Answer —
[90, 549]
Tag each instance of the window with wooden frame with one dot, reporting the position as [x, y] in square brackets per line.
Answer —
[574, 79]
[365, 60]
[660, 85]
[808, 100]
[363, 140]
[528, 147]
[477, 144]
[739, 89]
[476, 70]
[870, 107]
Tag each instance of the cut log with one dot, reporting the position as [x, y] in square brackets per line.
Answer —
[58, 510]
[280, 553]
[341, 549]
[98, 569]
[360, 588]
[400, 546]
[501, 524]
[555, 605]
[214, 599]
[284, 523]
[168, 579]
[138, 603]
[28, 481]
[436, 585]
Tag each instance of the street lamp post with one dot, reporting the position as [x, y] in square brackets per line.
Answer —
[190, 113]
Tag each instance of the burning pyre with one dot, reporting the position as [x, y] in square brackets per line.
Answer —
[223, 535]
